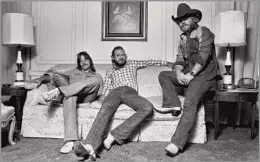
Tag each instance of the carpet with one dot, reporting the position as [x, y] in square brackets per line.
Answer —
[232, 145]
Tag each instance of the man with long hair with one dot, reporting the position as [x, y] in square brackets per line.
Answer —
[82, 80]
[120, 87]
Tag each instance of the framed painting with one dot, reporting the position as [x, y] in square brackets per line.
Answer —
[124, 20]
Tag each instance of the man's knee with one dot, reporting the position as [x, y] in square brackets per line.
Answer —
[191, 103]
[162, 75]
[148, 108]
[106, 107]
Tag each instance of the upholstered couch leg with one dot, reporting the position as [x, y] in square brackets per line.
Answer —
[11, 131]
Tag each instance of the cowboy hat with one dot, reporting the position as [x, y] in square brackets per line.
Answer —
[184, 11]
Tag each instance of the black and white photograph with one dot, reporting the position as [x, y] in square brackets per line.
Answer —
[129, 81]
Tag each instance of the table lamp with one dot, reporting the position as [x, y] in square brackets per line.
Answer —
[230, 31]
[18, 32]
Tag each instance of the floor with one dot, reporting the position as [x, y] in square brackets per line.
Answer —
[232, 145]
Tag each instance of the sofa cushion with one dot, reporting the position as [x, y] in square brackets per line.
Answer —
[148, 83]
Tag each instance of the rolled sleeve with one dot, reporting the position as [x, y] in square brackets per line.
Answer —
[180, 60]
[182, 63]
[206, 45]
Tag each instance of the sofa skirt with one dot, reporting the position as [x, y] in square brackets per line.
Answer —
[46, 121]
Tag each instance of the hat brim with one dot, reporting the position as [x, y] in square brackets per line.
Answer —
[193, 12]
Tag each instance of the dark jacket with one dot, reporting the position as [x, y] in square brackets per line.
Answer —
[198, 46]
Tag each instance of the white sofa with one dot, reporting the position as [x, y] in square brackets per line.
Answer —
[46, 121]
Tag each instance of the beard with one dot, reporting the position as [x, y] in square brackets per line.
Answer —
[119, 63]
[185, 28]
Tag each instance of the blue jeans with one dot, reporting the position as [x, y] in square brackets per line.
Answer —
[88, 89]
[194, 93]
[121, 95]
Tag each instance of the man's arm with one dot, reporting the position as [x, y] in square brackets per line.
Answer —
[178, 68]
[107, 85]
[179, 64]
[100, 90]
[146, 63]
[206, 44]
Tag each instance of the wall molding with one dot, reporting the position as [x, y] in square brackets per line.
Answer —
[38, 13]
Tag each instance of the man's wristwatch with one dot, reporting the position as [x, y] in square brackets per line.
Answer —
[192, 73]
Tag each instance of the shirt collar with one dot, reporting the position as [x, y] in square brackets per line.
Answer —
[88, 71]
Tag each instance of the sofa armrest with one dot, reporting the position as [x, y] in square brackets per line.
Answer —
[34, 96]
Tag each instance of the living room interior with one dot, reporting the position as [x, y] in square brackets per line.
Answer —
[61, 29]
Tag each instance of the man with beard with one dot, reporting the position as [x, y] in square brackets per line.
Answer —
[120, 87]
[196, 70]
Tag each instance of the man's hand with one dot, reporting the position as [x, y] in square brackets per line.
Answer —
[180, 78]
[187, 78]
[101, 99]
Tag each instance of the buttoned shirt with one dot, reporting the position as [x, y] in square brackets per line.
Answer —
[197, 46]
[127, 75]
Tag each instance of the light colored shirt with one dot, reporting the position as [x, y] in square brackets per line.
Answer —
[76, 75]
[127, 75]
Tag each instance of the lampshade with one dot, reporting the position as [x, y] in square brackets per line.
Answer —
[18, 29]
[230, 29]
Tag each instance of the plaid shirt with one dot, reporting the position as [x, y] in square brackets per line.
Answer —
[127, 75]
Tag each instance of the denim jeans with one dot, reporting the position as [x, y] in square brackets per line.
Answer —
[72, 92]
[194, 93]
[121, 95]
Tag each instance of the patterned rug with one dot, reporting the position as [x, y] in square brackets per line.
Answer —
[232, 145]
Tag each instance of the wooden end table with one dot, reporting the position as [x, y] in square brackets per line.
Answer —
[236, 96]
[20, 96]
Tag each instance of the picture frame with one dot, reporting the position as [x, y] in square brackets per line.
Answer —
[124, 20]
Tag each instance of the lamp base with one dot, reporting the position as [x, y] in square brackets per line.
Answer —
[227, 87]
[19, 82]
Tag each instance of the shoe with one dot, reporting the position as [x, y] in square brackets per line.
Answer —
[172, 150]
[48, 96]
[175, 111]
[108, 141]
[85, 151]
[67, 147]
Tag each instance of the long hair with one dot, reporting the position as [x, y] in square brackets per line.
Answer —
[86, 55]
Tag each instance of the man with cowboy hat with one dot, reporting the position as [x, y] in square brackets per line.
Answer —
[195, 71]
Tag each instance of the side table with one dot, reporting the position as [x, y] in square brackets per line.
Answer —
[20, 96]
[236, 96]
